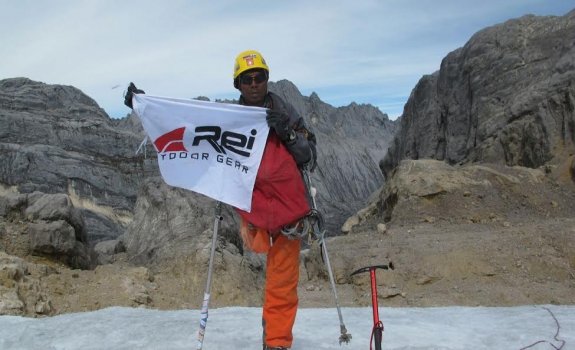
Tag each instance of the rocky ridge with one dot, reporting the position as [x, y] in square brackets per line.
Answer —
[73, 193]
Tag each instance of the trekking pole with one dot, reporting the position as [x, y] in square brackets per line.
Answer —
[204, 312]
[344, 336]
[377, 330]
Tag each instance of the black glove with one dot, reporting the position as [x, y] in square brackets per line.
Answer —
[132, 89]
[279, 121]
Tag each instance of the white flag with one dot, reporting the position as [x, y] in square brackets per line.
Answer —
[211, 148]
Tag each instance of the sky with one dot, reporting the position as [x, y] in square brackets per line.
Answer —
[368, 51]
[533, 327]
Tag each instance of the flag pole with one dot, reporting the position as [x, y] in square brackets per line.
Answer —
[204, 311]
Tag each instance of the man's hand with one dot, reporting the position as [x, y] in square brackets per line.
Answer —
[279, 121]
[132, 89]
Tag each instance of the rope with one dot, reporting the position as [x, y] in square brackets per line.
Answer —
[556, 337]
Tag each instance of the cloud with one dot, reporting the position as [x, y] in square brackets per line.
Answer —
[369, 51]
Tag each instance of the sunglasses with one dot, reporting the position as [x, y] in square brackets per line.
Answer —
[258, 78]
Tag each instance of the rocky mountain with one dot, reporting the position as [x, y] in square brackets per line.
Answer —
[73, 190]
[479, 200]
[507, 96]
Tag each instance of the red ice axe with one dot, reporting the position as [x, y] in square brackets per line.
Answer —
[377, 330]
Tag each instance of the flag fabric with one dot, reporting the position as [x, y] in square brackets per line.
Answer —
[211, 148]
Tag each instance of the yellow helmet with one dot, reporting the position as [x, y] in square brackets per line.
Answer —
[249, 60]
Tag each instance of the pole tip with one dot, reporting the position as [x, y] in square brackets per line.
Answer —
[345, 337]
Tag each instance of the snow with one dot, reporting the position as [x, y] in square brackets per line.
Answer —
[532, 327]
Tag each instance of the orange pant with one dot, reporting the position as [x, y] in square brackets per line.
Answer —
[282, 274]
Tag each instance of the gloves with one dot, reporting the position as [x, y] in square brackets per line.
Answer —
[132, 89]
[279, 121]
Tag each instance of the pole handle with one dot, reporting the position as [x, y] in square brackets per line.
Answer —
[203, 321]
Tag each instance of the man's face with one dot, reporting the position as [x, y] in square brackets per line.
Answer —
[254, 86]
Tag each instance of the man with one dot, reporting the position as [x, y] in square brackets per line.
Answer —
[280, 202]
[280, 199]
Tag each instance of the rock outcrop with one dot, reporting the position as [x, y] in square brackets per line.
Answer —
[428, 190]
[173, 223]
[50, 226]
[56, 141]
[507, 97]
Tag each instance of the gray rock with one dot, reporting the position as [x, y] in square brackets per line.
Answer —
[171, 222]
[105, 250]
[506, 97]
[55, 139]
[52, 207]
[46, 224]
[12, 202]
[58, 239]
[102, 227]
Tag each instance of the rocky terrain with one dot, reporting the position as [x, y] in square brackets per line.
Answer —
[468, 235]
[476, 208]
[74, 195]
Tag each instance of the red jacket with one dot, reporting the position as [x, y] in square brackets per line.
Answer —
[280, 196]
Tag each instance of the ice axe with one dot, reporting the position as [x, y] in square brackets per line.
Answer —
[377, 330]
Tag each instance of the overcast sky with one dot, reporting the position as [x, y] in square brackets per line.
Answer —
[364, 51]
